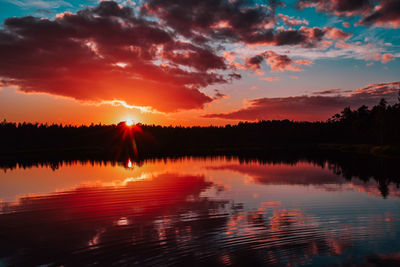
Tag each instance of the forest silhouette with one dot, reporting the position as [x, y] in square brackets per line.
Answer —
[379, 125]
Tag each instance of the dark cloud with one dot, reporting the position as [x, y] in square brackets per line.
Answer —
[380, 12]
[305, 36]
[317, 107]
[219, 95]
[255, 61]
[106, 53]
[211, 16]
[192, 56]
[386, 13]
[338, 7]
[275, 61]
[233, 21]
[279, 62]
[331, 92]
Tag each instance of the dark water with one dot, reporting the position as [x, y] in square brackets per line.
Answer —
[200, 211]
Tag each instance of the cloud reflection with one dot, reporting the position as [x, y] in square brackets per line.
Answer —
[201, 214]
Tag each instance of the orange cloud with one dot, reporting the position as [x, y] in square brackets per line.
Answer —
[386, 58]
[270, 79]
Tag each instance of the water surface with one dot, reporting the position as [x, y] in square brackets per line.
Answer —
[198, 211]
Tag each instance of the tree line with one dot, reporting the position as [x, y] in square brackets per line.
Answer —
[377, 125]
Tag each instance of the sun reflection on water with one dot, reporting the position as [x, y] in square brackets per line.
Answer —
[129, 164]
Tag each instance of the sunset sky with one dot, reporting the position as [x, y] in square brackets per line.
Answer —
[180, 62]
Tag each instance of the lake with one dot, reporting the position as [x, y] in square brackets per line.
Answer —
[216, 211]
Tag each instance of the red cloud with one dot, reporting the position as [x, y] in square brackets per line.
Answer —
[106, 53]
[311, 108]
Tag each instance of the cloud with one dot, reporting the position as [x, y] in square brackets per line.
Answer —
[276, 62]
[189, 55]
[336, 34]
[304, 62]
[378, 90]
[270, 79]
[39, 3]
[346, 24]
[218, 95]
[386, 58]
[301, 174]
[338, 7]
[106, 53]
[280, 62]
[343, 45]
[378, 13]
[306, 37]
[331, 92]
[234, 21]
[386, 13]
[291, 21]
[219, 19]
[255, 61]
[383, 58]
[341, 50]
[312, 108]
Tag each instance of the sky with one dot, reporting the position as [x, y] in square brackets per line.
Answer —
[180, 62]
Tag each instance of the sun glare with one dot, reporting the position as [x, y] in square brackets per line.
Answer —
[129, 122]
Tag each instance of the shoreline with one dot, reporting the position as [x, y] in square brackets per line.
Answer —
[378, 151]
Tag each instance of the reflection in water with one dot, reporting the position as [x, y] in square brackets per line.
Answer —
[383, 171]
[213, 211]
[135, 221]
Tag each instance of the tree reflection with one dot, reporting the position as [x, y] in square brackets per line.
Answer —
[383, 171]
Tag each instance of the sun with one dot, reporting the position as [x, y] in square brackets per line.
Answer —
[129, 122]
